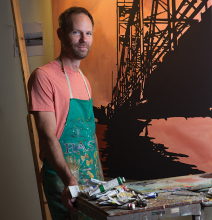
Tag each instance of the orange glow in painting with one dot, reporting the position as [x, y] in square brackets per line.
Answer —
[192, 136]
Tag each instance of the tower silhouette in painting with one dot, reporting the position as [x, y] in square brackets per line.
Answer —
[164, 70]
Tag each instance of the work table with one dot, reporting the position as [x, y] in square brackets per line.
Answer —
[175, 198]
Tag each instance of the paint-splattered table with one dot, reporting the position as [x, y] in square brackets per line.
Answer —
[168, 204]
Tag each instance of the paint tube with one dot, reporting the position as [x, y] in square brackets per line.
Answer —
[125, 194]
[92, 182]
[120, 195]
[74, 190]
[121, 188]
[107, 186]
[105, 196]
[129, 206]
[133, 192]
[117, 201]
[80, 189]
[118, 204]
[124, 200]
[146, 196]
[151, 195]
[86, 189]
[111, 201]
[140, 196]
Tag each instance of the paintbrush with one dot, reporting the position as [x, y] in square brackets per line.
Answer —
[184, 193]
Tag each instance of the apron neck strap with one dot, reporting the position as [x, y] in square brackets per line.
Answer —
[67, 78]
[85, 84]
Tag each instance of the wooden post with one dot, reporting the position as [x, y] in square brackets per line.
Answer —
[30, 119]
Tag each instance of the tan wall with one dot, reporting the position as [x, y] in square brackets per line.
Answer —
[18, 189]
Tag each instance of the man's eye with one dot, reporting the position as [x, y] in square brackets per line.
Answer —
[89, 33]
[76, 32]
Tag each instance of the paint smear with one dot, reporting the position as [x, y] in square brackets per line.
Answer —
[187, 180]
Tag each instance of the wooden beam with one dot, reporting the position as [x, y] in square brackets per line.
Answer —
[30, 119]
[21, 44]
[37, 164]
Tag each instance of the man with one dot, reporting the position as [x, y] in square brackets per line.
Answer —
[61, 103]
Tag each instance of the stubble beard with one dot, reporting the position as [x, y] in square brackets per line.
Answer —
[75, 52]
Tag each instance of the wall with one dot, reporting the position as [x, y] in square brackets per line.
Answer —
[18, 191]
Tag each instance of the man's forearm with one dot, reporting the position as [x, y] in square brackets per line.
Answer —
[54, 155]
[46, 127]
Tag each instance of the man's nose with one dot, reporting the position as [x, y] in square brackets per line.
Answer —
[83, 38]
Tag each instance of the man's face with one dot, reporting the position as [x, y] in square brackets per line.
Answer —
[78, 37]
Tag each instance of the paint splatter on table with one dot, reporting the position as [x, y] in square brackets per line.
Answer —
[165, 198]
[190, 182]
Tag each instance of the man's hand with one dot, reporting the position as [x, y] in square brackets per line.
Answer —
[68, 201]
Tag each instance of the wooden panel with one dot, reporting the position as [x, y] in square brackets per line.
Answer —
[37, 164]
[168, 204]
[21, 44]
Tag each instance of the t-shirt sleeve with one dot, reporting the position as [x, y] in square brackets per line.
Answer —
[40, 90]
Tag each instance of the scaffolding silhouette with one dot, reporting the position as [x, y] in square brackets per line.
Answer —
[144, 41]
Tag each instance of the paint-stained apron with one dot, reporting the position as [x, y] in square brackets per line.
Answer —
[80, 151]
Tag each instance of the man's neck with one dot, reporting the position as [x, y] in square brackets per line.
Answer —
[70, 62]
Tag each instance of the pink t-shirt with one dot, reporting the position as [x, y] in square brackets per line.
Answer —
[48, 91]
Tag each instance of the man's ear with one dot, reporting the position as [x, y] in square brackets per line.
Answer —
[60, 34]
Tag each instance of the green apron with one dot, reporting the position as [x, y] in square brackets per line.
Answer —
[78, 142]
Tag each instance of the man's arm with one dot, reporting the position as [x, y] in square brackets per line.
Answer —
[46, 126]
